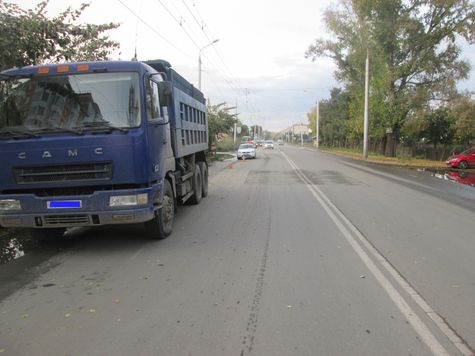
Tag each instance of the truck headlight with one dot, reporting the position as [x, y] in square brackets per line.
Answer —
[129, 200]
[10, 204]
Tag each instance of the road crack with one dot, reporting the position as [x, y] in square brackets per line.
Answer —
[251, 327]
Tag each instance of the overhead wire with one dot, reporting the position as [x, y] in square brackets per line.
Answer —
[226, 77]
[203, 27]
[198, 46]
[179, 24]
[154, 30]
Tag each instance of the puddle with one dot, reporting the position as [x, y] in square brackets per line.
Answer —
[462, 177]
[13, 245]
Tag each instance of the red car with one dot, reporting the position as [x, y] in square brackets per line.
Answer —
[462, 160]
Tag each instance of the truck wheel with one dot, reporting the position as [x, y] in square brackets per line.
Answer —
[204, 178]
[197, 186]
[161, 225]
[45, 235]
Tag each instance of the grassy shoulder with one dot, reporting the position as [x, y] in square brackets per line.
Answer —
[391, 161]
[219, 156]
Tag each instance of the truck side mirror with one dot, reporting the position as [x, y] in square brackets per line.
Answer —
[165, 88]
[164, 93]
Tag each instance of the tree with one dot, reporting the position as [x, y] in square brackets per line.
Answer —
[334, 117]
[220, 120]
[414, 55]
[30, 37]
[463, 113]
[438, 126]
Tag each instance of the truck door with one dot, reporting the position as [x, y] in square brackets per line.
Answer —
[156, 131]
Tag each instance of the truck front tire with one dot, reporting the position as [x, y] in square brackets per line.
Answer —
[161, 225]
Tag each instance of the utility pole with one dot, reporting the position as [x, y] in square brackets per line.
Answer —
[301, 138]
[366, 109]
[235, 129]
[317, 123]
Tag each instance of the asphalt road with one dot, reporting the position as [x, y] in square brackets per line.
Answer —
[294, 253]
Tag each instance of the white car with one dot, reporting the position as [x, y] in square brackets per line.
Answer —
[269, 144]
[246, 150]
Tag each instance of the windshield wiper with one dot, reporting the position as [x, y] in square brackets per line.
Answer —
[100, 125]
[59, 129]
[18, 133]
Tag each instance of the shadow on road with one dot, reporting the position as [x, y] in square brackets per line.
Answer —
[23, 258]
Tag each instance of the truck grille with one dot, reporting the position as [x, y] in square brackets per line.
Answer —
[59, 220]
[63, 173]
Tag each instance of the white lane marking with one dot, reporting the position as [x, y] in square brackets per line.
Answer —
[416, 297]
[422, 330]
[136, 254]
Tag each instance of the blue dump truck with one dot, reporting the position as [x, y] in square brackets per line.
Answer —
[99, 143]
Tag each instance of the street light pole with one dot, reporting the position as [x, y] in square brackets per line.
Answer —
[318, 123]
[199, 61]
[366, 109]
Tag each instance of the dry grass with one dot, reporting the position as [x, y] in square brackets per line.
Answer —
[391, 161]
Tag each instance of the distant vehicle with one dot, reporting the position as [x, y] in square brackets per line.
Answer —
[246, 150]
[462, 160]
[259, 143]
[280, 142]
[269, 144]
[246, 139]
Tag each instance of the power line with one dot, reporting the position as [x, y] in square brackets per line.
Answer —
[179, 24]
[154, 30]
[203, 27]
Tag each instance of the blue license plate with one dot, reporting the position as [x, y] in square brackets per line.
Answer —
[64, 204]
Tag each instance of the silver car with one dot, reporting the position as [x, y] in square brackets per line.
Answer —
[246, 150]
[269, 144]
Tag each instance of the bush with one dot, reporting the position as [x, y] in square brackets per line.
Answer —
[227, 145]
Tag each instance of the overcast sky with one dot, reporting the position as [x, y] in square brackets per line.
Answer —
[258, 62]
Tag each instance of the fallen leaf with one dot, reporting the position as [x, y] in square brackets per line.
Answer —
[24, 316]
[116, 301]
[67, 315]
[362, 276]
[2, 351]
[92, 310]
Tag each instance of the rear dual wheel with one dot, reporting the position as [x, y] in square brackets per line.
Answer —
[197, 186]
[204, 178]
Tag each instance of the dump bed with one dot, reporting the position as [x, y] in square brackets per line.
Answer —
[188, 114]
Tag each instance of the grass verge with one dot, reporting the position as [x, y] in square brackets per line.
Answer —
[390, 161]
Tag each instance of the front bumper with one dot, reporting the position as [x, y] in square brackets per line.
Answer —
[95, 211]
[246, 155]
[453, 164]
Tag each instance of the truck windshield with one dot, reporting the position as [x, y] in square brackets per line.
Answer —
[70, 102]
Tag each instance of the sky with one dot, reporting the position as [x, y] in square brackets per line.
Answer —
[258, 62]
